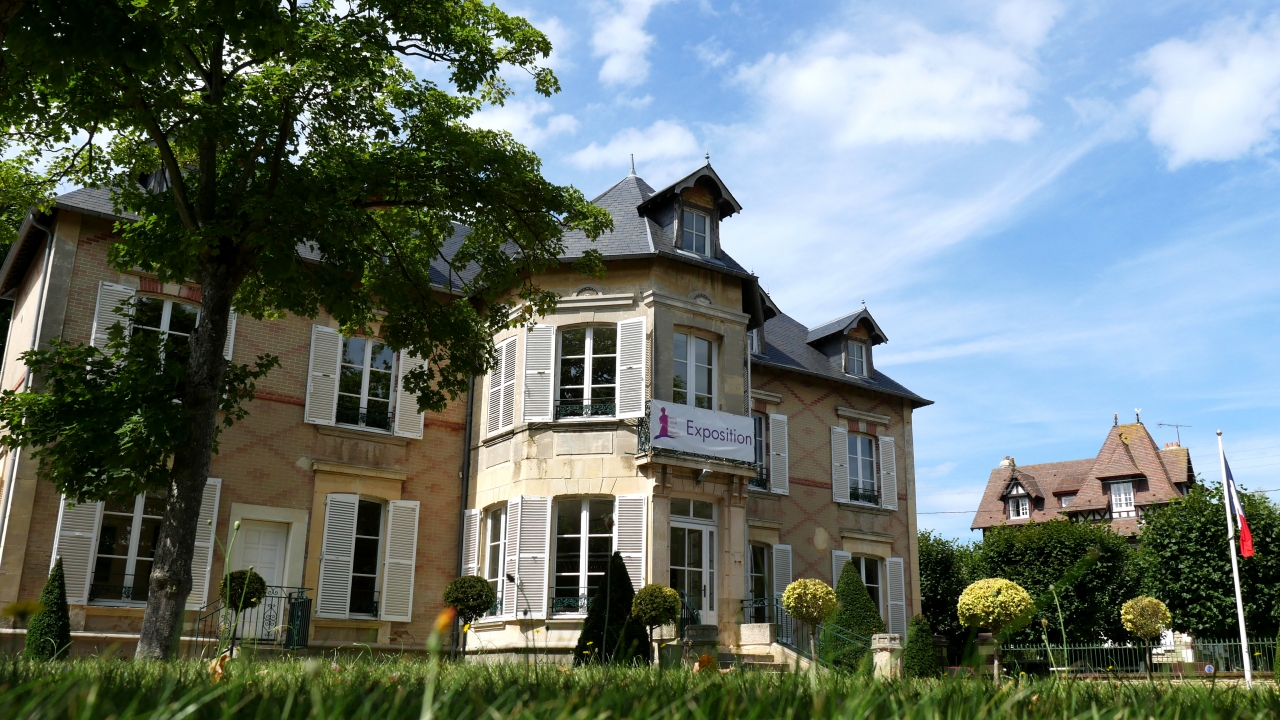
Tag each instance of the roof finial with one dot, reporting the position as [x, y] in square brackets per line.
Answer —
[1137, 415]
[708, 157]
[633, 164]
[1115, 419]
[864, 303]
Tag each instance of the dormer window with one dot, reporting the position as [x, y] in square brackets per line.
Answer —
[1019, 508]
[1121, 496]
[855, 358]
[753, 341]
[695, 228]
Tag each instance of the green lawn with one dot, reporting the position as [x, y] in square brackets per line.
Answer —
[354, 690]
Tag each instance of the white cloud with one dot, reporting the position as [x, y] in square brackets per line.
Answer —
[621, 40]
[521, 118]
[931, 88]
[713, 53]
[663, 140]
[1027, 22]
[1216, 97]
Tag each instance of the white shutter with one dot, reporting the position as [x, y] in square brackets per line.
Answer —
[229, 345]
[75, 541]
[779, 465]
[113, 307]
[322, 381]
[400, 559]
[839, 559]
[470, 542]
[629, 535]
[511, 563]
[839, 464]
[532, 564]
[781, 569]
[888, 475]
[897, 596]
[509, 384]
[206, 531]
[333, 597]
[539, 359]
[631, 373]
[408, 420]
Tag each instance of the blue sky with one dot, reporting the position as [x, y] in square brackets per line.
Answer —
[1056, 210]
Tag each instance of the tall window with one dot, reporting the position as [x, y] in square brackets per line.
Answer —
[126, 546]
[869, 569]
[1019, 507]
[364, 388]
[761, 422]
[695, 232]
[588, 372]
[1121, 496]
[584, 542]
[855, 359]
[694, 377]
[173, 320]
[758, 586]
[364, 562]
[495, 552]
[753, 341]
[693, 554]
[862, 469]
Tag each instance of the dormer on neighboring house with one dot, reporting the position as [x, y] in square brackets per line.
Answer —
[1021, 496]
[847, 342]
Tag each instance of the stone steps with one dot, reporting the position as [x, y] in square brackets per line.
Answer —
[753, 662]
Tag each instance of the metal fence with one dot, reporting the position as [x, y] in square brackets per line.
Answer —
[281, 619]
[1183, 658]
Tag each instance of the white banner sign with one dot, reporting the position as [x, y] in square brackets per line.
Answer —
[706, 432]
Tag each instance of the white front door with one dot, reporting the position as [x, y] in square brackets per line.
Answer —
[262, 547]
[693, 567]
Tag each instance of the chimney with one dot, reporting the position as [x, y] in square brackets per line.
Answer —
[1006, 462]
[1172, 445]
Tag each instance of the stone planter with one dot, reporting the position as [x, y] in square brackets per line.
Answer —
[886, 654]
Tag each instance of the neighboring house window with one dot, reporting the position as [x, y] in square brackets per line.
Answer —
[761, 422]
[855, 359]
[758, 587]
[862, 469]
[588, 372]
[495, 552]
[869, 569]
[1019, 507]
[126, 546]
[1121, 496]
[584, 542]
[1066, 500]
[695, 232]
[364, 388]
[693, 383]
[364, 560]
[173, 320]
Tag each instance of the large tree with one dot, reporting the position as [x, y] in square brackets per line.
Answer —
[1184, 559]
[240, 130]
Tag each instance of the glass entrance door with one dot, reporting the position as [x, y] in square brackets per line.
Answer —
[693, 568]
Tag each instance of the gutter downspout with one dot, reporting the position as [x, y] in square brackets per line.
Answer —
[466, 490]
[26, 382]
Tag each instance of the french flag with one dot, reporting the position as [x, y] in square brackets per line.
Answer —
[1235, 508]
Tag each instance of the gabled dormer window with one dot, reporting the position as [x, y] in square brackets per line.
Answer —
[855, 358]
[1019, 508]
[1121, 496]
[695, 229]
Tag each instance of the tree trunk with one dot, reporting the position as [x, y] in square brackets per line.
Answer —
[170, 582]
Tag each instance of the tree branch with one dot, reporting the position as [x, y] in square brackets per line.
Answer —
[176, 183]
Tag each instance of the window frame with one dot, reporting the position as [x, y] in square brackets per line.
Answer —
[588, 359]
[166, 317]
[858, 492]
[691, 365]
[762, 605]
[685, 230]
[849, 359]
[1131, 505]
[1065, 500]
[378, 557]
[137, 517]
[579, 604]
[753, 342]
[710, 530]
[495, 550]
[1019, 502]
[877, 596]
[760, 421]
[363, 399]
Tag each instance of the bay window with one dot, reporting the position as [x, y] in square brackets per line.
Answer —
[588, 374]
[693, 380]
[365, 383]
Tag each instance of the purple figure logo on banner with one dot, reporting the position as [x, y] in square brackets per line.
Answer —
[662, 425]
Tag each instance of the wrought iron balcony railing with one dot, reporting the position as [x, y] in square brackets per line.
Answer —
[579, 409]
[864, 495]
[380, 419]
[282, 617]
[117, 588]
[570, 600]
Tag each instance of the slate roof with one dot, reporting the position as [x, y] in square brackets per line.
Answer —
[842, 325]
[1128, 452]
[787, 347]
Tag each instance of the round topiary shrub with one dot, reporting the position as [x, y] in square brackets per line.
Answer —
[1145, 617]
[242, 590]
[993, 603]
[919, 660]
[656, 605]
[471, 596]
[810, 601]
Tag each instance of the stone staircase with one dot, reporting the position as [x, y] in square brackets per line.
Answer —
[756, 662]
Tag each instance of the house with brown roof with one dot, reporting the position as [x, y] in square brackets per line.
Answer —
[1129, 477]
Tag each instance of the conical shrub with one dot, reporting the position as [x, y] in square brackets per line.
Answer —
[856, 616]
[919, 659]
[49, 634]
[609, 634]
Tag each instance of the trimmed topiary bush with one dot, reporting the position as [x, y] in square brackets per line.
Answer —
[856, 615]
[919, 659]
[996, 604]
[810, 601]
[610, 634]
[1145, 617]
[49, 634]
[655, 605]
[242, 590]
[471, 595]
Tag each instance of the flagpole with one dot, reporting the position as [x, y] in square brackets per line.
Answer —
[1235, 567]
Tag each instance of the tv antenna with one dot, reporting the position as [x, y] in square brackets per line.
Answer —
[1176, 427]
